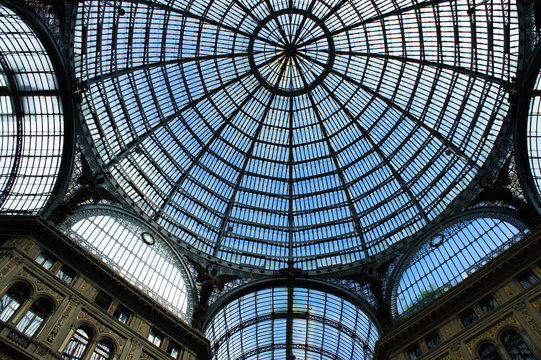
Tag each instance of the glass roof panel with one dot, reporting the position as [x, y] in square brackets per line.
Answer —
[534, 133]
[31, 118]
[321, 132]
[137, 254]
[308, 323]
[452, 255]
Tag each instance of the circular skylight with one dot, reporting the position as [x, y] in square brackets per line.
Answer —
[291, 52]
[318, 132]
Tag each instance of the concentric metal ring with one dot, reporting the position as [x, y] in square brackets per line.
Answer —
[291, 52]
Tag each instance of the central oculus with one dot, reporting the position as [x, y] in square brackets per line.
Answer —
[291, 51]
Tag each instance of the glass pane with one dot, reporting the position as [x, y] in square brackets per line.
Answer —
[31, 118]
[117, 241]
[77, 345]
[515, 346]
[8, 306]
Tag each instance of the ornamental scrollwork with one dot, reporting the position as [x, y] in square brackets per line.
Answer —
[490, 332]
[60, 322]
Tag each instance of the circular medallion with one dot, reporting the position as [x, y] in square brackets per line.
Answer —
[148, 238]
[291, 52]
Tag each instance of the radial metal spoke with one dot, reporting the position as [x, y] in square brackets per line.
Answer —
[132, 145]
[344, 187]
[406, 113]
[196, 161]
[201, 18]
[141, 138]
[157, 64]
[275, 19]
[247, 11]
[291, 191]
[242, 173]
[396, 175]
[405, 9]
[441, 65]
[303, 21]
[334, 9]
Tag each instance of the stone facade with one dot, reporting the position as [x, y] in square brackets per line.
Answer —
[517, 308]
[74, 304]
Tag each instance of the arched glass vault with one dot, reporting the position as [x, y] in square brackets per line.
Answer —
[528, 128]
[450, 254]
[137, 253]
[288, 320]
[36, 140]
[292, 138]
[314, 132]
[341, 140]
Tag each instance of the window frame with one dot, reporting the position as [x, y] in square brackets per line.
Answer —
[73, 339]
[18, 286]
[34, 318]
[469, 317]
[153, 335]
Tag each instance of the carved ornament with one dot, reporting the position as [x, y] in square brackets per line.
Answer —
[491, 332]
[102, 329]
[60, 322]
[10, 265]
[40, 286]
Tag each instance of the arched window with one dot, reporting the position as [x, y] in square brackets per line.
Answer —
[34, 317]
[516, 347]
[103, 351]
[12, 300]
[453, 254]
[78, 344]
[140, 256]
[489, 352]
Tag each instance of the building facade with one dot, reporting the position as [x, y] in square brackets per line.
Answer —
[273, 179]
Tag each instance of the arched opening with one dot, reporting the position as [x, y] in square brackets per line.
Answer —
[122, 242]
[462, 247]
[489, 352]
[34, 317]
[515, 346]
[287, 322]
[103, 351]
[78, 344]
[12, 300]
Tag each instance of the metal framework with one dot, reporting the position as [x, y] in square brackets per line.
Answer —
[263, 133]
[290, 318]
[36, 134]
[301, 136]
[137, 253]
[449, 254]
[528, 129]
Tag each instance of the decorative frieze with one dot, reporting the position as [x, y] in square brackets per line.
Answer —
[6, 269]
[491, 331]
[40, 286]
[103, 330]
[60, 323]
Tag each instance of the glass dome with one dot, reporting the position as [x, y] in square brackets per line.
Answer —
[314, 132]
